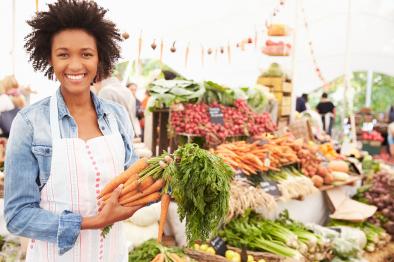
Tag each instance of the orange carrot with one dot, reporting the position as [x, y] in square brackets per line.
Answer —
[155, 187]
[132, 178]
[136, 168]
[144, 200]
[159, 258]
[141, 187]
[165, 203]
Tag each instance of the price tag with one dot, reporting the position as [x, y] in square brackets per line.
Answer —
[219, 245]
[270, 187]
[240, 175]
[216, 115]
[337, 229]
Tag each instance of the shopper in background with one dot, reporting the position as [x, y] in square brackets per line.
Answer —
[12, 93]
[113, 90]
[326, 109]
[64, 149]
[390, 138]
[391, 114]
[7, 84]
[133, 89]
[301, 103]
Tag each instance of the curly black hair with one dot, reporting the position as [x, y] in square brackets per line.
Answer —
[73, 14]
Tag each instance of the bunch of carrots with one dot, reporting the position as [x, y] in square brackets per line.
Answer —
[266, 153]
[143, 183]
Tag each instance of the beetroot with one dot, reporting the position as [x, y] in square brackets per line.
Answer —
[239, 120]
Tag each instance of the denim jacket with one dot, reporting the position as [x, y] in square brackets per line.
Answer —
[28, 166]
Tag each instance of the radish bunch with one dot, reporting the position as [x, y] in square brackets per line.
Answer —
[239, 120]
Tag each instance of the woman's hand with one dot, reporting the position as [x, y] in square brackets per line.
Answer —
[109, 213]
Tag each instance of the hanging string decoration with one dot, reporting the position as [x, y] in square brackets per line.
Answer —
[311, 49]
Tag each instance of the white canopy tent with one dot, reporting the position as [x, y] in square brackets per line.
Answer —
[205, 23]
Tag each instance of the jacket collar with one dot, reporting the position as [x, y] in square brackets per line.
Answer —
[63, 110]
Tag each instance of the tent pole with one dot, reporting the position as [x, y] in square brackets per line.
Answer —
[348, 105]
[369, 88]
[293, 59]
[13, 37]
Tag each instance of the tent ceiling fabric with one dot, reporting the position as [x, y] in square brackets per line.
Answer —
[215, 23]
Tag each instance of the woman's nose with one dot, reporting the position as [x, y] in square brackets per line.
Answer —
[75, 64]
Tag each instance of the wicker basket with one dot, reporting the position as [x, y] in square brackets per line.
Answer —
[261, 255]
[201, 256]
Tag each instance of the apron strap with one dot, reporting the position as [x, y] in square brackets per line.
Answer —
[54, 117]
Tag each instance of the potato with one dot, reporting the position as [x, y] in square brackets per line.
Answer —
[317, 181]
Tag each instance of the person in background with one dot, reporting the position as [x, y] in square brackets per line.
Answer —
[391, 114]
[301, 103]
[326, 109]
[12, 90]
[390, 138]
[113, 90]
[6, 85]
[133, 89]
[64, 149]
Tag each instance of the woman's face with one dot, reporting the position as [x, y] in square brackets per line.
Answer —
[74, 59]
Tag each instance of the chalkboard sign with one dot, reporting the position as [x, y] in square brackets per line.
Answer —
[270, 187]
[219, 245]
[216, 115]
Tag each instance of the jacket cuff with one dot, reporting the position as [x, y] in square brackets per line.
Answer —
[68, 231]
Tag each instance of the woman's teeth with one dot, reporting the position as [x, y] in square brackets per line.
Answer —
[75, 77]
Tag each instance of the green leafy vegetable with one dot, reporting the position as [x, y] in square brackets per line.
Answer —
[201, 185]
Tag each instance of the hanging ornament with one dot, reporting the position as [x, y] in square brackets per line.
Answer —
[153, 45]
[125, 35]
[36, 6]
[255, 39]
[216, 55]
[229, 53]
[237, 45]
[250, 40]
[139, 49]
[209, 51]
[222, 50]
[161, 50]
[282, 2]
[202, 55]
[187, 54]
[173, 49]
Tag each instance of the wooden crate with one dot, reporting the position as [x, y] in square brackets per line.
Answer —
[287, 87]
[274, 82]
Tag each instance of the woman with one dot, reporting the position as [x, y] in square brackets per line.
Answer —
[64, 149]
[18, 101]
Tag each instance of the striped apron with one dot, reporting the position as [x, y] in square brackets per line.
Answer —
[79, 170]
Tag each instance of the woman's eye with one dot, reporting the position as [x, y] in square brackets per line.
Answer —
[62, 55]
[87, 55]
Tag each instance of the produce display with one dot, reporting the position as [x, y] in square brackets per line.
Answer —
[274, 48]
[372, 136]
[376, 236]
[152, 251]
[200, 184]
[381, 194]
[283, 237]
[165, 93]
[239, 120]
[328, 151]
[244, 196]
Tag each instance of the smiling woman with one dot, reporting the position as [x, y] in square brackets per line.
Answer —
[63, 149]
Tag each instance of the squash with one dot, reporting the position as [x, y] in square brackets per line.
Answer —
[340, 176]
[338, 165]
